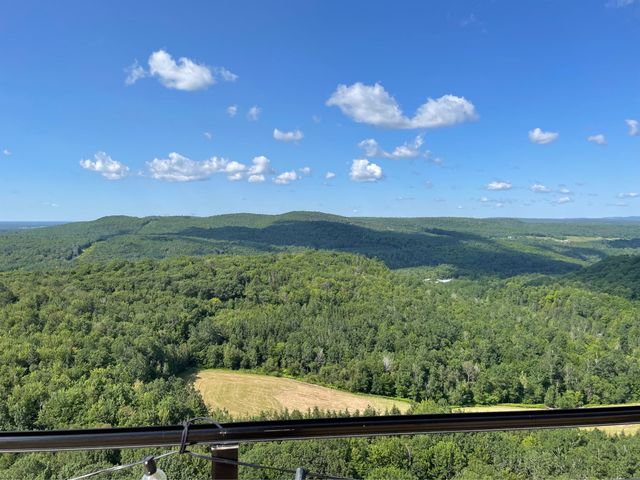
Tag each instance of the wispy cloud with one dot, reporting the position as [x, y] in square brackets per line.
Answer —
[232, 110]
[540, 188]
[292, 136]
[563, 200]
[106, 166]
[542, 138]
[134, 72]
[254, 113]
[497, 185]
[208, 135]
[401, 152]
[373, 105]
[329, 175]
[6, 152]
[599, 139]
[634, 127]
[629, 195]
[620, 3]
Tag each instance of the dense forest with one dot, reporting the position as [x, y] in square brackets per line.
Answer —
[475, 247]
[95, 338]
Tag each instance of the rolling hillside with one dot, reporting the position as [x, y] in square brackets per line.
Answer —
[502, 247]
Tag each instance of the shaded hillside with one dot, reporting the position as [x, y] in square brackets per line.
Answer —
[619, 275]
[501, 247]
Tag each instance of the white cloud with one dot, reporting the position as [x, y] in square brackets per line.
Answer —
[484, 199]
[629, 195]
[292, 136]
[208, 135]
[256, 178]
[134, 73]
[261, 166]
[364, 171]
[305, 171]
[226, 75]
[542, 138]
[178, 168]
[232, 110]
[106, 166]
[253, 113]
[599, 139]
[564, 190]
[634, 127]
[6, 152]
[563, 200]
[373, 105]
[495, 185]
[285, 178]
[329, 175]
[539, 188]
[401, 152]
[184, 74]
[620, 3]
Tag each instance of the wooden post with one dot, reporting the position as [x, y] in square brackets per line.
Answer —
[224, 471]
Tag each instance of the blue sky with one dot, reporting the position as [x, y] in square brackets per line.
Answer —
[466, 108]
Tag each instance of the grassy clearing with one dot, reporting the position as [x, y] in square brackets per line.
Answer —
[245, 394]
[611, 430]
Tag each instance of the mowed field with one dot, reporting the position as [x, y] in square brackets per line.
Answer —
[631, 429]
[245, 394]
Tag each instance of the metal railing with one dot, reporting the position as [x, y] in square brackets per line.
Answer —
[234, 433]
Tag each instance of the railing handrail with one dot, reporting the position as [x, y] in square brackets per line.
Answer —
[279, 430]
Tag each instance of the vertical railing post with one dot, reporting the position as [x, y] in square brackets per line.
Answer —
[224, 471]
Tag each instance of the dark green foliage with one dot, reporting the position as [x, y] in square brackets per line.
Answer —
[502, 247]
[619, 275]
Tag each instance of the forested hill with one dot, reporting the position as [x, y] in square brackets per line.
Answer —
[501, 247]
[619, 275]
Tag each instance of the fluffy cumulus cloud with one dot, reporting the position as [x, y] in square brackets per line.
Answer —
[178, 168]
[599, 139]
[542, 138]
[292, 136]
[496, 185]
[260, 168]
[285, 178]
[540, 188]
[634, 127]
[106, 166]
[232, 110]
[362, 170]
[402, 152]
[183, 74]
[306, 171]
[254, 113]
[373, 105]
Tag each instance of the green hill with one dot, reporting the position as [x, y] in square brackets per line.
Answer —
[619, 275]
[502, 247]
